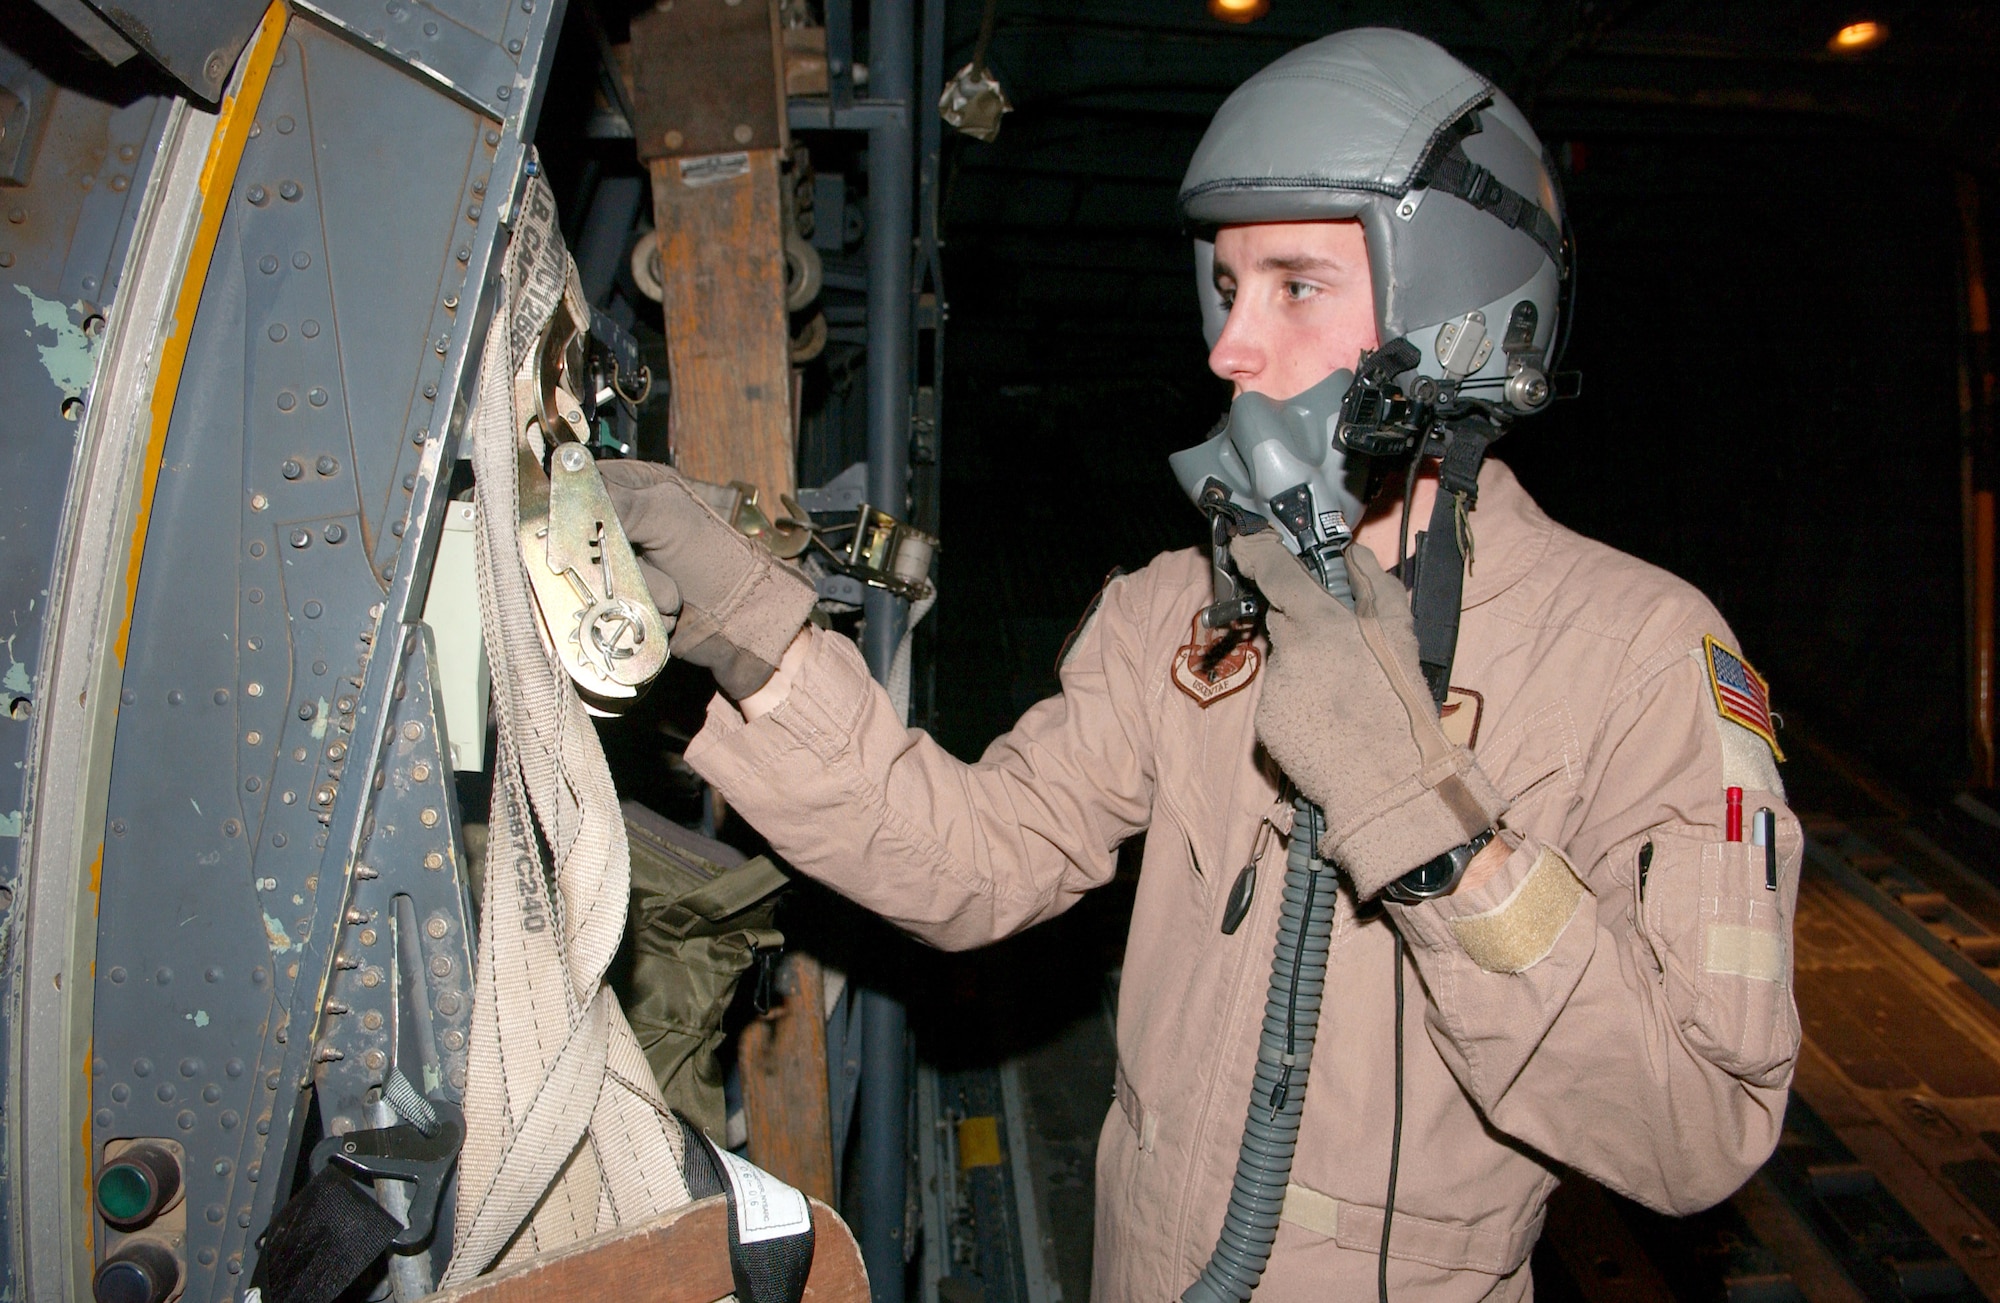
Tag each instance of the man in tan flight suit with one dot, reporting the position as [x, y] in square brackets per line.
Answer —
[1607, 987]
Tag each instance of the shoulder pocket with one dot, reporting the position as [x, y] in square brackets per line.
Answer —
[1724, 942]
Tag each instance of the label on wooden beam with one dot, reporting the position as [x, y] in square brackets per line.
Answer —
[711, 168]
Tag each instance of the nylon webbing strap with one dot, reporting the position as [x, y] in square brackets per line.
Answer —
[320, 1242]
[770, 1223]
[1441, 562]
[566, 1134]
[1455, 174]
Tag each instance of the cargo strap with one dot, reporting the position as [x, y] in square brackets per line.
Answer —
[566, 1134]
[322, 1241]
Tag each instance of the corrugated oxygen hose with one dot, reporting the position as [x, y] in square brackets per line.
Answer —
[1284, 1053]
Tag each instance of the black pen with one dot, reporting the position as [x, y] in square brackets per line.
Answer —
[1764, 832]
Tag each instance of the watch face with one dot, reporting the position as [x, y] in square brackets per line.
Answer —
[1425, 881]
[1436, 876]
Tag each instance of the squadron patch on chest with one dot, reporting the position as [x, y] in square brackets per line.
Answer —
[1212, 665]
[1741, 694]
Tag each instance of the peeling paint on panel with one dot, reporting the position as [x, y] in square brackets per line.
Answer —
[16, 678]
[10, 824]
[72, 356]
[274, 932]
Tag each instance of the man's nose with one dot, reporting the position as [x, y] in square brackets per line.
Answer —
[1240, 353]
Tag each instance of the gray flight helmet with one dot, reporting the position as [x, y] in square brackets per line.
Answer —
[1462, 214]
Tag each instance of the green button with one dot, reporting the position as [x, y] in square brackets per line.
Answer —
[125, 1192]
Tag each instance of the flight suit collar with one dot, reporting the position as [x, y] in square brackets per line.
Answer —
[1510, 535]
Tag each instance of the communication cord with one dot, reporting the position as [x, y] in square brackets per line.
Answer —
[1284, 1050]
[1395, 1138]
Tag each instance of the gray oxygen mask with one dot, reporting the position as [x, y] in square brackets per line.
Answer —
[1276, 461]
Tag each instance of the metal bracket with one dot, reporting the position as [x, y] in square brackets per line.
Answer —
[25, 95]
[403, 1153]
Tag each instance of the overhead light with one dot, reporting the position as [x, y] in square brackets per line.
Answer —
[1856, 37]
[1238, 11]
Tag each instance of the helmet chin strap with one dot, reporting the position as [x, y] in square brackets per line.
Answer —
[1444, 553]
[1378, 418]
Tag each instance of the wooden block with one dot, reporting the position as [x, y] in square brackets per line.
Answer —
[782, 1057]
[681, 1258]
[805, 61]
[721, 239]
[707, 77]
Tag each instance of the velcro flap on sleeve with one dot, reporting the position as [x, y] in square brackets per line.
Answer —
[1519, 933]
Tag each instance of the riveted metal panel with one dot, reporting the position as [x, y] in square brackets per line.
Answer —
[73, 171]
[481, 51]
[283, 897]
[360, 261]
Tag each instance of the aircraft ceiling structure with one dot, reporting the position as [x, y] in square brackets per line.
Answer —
[237, 335]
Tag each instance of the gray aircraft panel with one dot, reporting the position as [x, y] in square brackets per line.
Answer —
[280, 899]
[473, 49]
[283, 888]
[365, 117]
[207, 861]
[73, 174]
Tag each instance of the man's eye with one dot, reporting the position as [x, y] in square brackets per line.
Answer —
[1296, 290]
[1228, 297]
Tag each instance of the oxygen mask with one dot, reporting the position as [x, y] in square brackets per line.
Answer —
[1276, 462]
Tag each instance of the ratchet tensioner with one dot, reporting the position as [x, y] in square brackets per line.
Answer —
[595, 609]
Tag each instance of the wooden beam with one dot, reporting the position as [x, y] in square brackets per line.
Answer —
[782, 1059]
[681, 1258]
[722, 263]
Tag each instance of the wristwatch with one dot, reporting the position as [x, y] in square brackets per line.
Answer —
[1437, 877]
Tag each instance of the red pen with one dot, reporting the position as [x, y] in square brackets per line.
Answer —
[1733, 825]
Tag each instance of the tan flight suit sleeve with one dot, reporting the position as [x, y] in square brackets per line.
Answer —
[1644, 1039]
[958, 854]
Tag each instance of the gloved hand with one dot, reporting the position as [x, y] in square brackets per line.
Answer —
[739, 606]
[1346, 714]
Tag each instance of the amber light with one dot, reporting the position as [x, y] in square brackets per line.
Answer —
[1858, 36]
[1238, 11]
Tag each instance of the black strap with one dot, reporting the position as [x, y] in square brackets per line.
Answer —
[1440, 577]
[322, 1241]
[1455, 174]
[770, 1269]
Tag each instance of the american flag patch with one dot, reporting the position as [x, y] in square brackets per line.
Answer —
[1741, 695]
